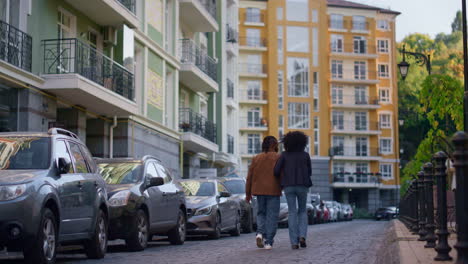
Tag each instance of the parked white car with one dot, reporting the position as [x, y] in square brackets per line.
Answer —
[333, 209]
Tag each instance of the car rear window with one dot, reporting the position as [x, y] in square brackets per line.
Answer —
[24, 153]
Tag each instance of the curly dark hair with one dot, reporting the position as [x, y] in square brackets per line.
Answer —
[295, 141]
[269, 142]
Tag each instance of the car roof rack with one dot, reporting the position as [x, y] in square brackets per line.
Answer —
[61, 131]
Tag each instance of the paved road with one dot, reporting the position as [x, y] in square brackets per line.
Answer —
[346, 242]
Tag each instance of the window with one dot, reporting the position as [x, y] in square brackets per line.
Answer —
[298, 77]
[360, 119]
[361, 171]
[386, 145]
[315, 16]
[337, 94]
[359, 23]
[360, 95]
[307, 147]
[89, 159]
[280, 121]
[384, 95]
[298, 39]
[338, 120]
[382, 24]
[315, 47]
[383, 71]
[9, 12]
[163, 173]
[280, 45]
[338, 167]
[253, 146]
[77, 157]
[337, 69]
[279, 13]
[61, 151]
[253, 38]
[316, 135]
[65, 25]
[254, 90]
[359, 70]
[297, 10]
[382, 45]
[253, 15]
[253, 117]
[298, 115]
[360, 45]
[385, 121]
[336, 43]
[386, 170]
[336, 21]
[254, 64]
[338, 143]
[151, 171]
[361, 146]
[280, 89]
[316, 91]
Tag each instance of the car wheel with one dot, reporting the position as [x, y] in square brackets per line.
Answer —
[247, 224]
[178, 233]
[217, 228]
[43, 249]
[139, 234]
[237, 228]
[96, 247]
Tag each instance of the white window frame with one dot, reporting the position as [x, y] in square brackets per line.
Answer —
[337, 69]
[360, 70]
[337, 94]
[387, 123]
[385, 95]
[386, 73]
[316, 136]
[337, 43]
[338, 122]
[280, 77]
[385, 48]
[386, 25]
[388, 150]
[336, 21]
[359, 45]
[385, 172]
[300, 118]
[360, 23]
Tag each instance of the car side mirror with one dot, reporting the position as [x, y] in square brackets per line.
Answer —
[224, 194]
[64, 165]
[155, 181]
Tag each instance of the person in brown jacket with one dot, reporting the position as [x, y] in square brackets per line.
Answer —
[262, 183]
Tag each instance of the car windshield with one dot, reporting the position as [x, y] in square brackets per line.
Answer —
[235, 186]
[198, 188]
[120, 173]
[24, 153]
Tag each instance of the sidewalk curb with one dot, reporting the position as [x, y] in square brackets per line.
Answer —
[389, 251]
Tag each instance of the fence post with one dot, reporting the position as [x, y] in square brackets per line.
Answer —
[422, 208]
[460, 140]
[442, 246]
[414, 206]
[428, 183]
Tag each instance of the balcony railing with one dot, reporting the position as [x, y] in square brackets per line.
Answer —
[251, 68]
[230, 89]
[253, 42]
[190, 53]
[358, 49]
[250, 149]
[252, 95]
[63, 56]
[15, 46]
[230, 144]
[253, 122]
[356, 74]
[232, 35]
[356, 151]
[356, 177]
[339, 24]
[254, 17]
[360, 26]
[344, 24]
[346, 125]
[353, 99]
[196, 123]
[129, 4]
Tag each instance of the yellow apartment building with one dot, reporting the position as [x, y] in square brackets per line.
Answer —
[331, 73]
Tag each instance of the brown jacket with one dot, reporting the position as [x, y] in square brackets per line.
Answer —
[261, 179]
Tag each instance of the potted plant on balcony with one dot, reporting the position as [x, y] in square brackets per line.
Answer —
[185, 126]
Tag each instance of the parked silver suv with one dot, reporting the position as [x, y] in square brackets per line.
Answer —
[50, 193]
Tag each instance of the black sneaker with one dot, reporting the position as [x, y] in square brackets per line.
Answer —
[295, 246]
[302, 241]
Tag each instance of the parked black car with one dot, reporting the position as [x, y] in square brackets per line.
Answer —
[236, 186]
[210, 208]
[143, 201]
[50, 193]
[386, 213]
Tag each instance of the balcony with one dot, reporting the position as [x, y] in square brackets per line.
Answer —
[353, 51]
[199, 15]
[254, 19]
[230, 144]
[356, 180]
[249, 150]
[354, 76]
[252, 96]
[354, 153]
[253, 70]
[199, 133]
[343, 25]
[15, 47]
[351, 127]
[253, 124]
[250, 43]
[84, 76]
[117, 12]
[199, 71]
[354, 101]
[337, 25]
[232, 37]
[360, 27]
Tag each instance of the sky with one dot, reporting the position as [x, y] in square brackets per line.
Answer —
[422, 16]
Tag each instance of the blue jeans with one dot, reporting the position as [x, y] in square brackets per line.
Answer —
[296, 197]
[267, 216]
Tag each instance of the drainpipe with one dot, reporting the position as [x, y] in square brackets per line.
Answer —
[111, 138]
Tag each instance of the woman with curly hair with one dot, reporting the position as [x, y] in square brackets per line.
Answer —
[262, 183]
[294, 170]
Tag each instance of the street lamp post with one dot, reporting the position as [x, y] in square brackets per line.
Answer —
[420, 58]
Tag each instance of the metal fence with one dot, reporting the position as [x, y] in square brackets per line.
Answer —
[252, 68]
[253, 42]
[350, 125]
[354, 99]
[250, 149]
[15, 46]
[191, 121]
[356, 177]
[62, 56]
[190, 53]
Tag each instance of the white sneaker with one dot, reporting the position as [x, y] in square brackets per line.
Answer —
[259, 239]
[268, 246]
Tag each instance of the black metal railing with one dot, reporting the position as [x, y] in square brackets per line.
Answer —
[253, 42]
[190, 53]
[357, 177]
[351, 125]
[230, 89]
[252, 68]
[191, 121]
[232, 35]
[357, 151]
[254, 17]
[230, 144]
[353, 99]
[63, 56]
[15, 46]
[129, 4]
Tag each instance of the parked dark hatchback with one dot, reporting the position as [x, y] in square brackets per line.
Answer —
[143, 201]
[386, 213]
[50, 194]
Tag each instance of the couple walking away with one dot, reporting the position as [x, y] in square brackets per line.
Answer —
[269, 174]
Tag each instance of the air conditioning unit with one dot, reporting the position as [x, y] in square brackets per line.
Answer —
[110, 35]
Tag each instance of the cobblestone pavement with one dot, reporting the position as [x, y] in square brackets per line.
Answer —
[353, 242]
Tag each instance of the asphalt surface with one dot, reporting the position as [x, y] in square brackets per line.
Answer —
[354, 242]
